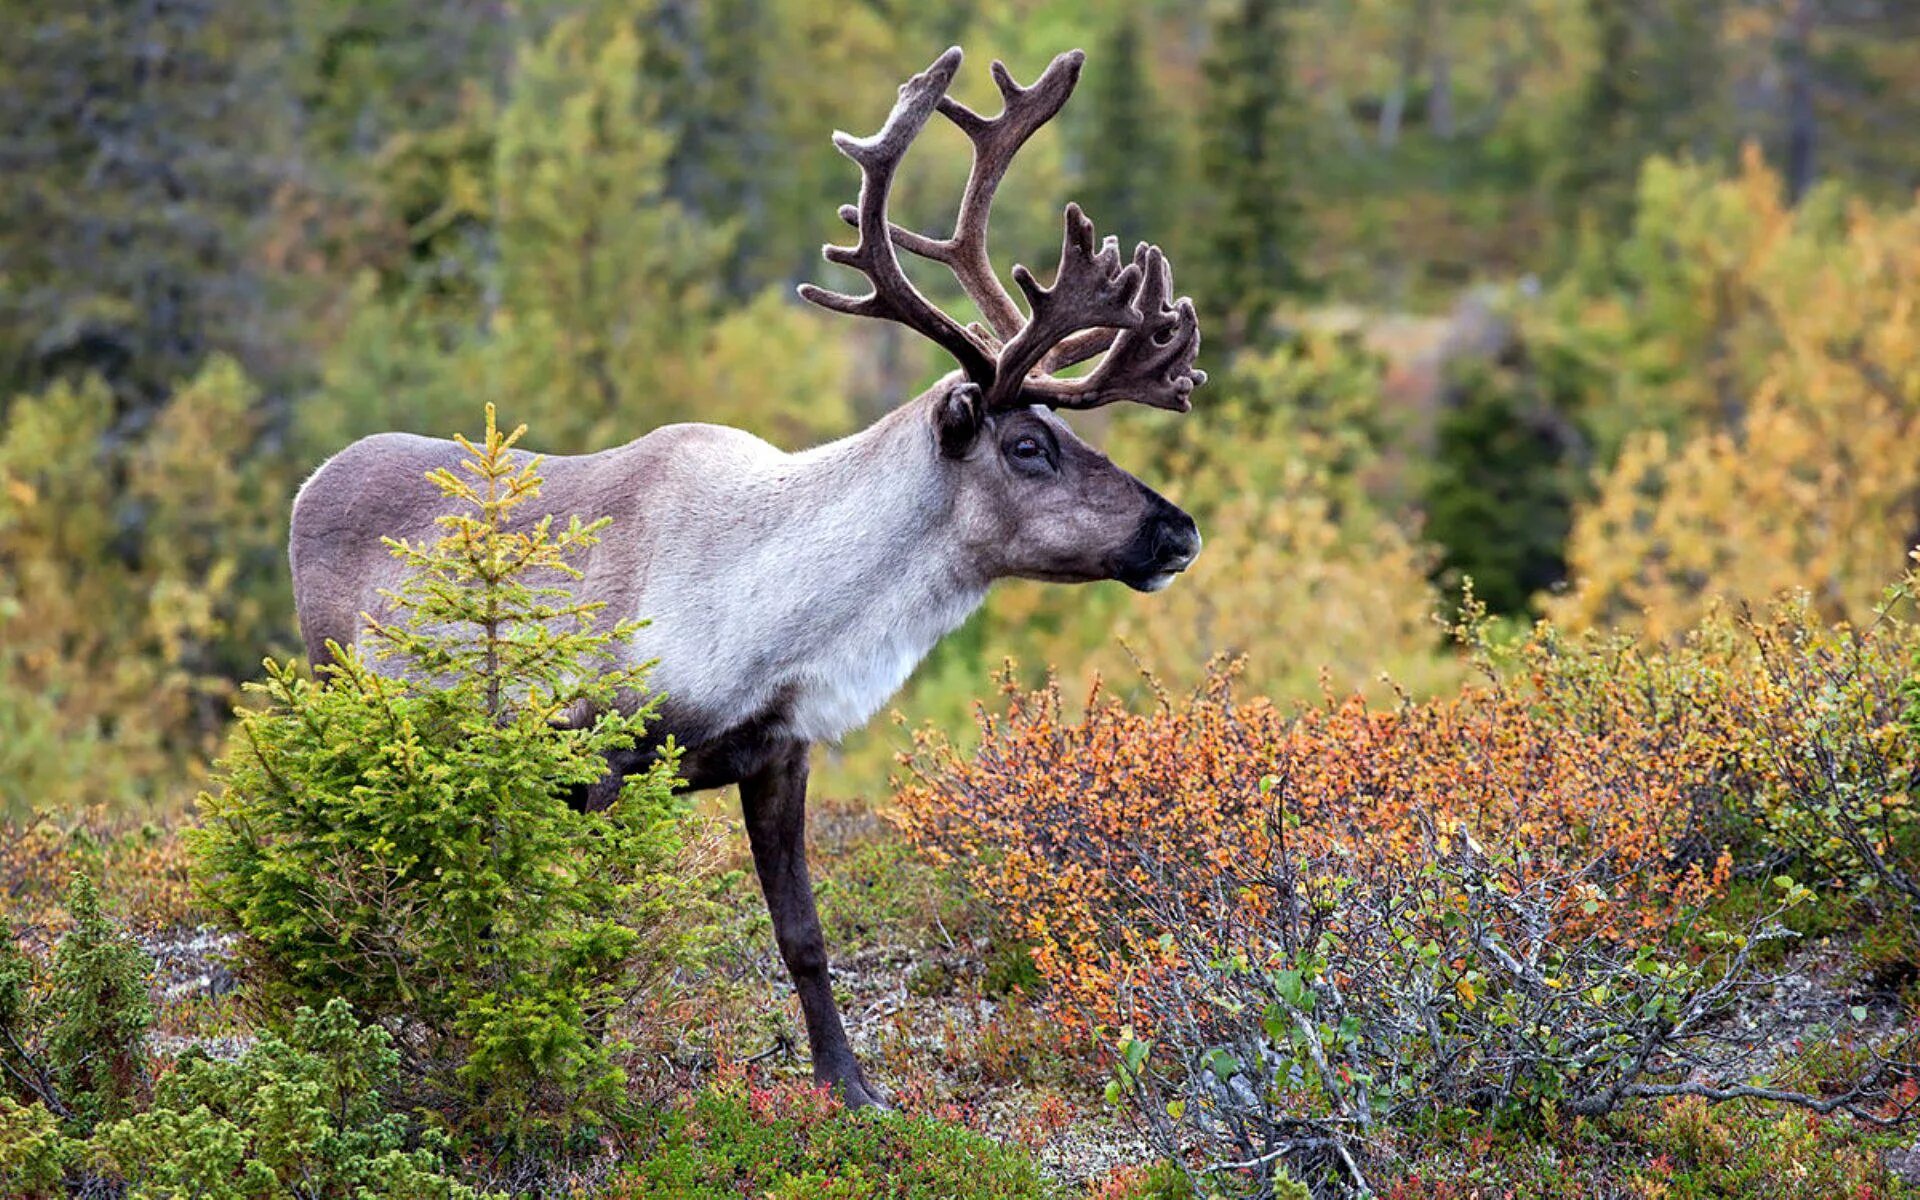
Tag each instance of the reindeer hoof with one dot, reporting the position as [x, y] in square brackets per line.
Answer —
[858, 1093]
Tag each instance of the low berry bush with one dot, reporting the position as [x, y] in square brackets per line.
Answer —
[794, 1142]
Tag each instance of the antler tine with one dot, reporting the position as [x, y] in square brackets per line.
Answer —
[1151, 364]
[996, 140]
[1078, 349]
[1091, 290]
[893, 296]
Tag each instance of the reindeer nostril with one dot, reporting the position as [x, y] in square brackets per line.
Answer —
[1177, 542]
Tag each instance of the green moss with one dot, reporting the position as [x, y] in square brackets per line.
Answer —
[795, 1142]
[1010, 968]
[929, 979]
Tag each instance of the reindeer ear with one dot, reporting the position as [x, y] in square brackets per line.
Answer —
[957, 418]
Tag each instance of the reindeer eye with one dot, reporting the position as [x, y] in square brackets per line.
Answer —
[1027, 447]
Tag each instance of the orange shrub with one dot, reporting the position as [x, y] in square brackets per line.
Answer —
[1064, 825]
[1291, 928]
[140, 867]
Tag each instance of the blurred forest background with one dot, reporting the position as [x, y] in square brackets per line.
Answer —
[1611, 305]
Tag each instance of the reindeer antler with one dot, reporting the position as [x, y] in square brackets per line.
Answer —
[894, 297]
[1096, 302]
[1090, 291]
[995, 143]
[1151, 363]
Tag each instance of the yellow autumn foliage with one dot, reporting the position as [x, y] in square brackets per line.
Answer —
[132, 588]
[1793, 464]
[1283, 583]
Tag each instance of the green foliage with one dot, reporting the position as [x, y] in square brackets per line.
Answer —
[1498, 496]
[1250, 142]
[399, 834]
[793, 1143]
[16, 993]
[587, 235]
[1010, 969]
[574, 190]
[301, 1114]
[99, 1009]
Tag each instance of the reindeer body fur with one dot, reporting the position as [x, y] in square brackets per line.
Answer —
[794, 591]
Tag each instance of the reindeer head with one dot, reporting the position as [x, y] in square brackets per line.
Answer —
[1032, 499]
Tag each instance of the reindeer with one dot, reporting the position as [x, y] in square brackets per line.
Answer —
[789, 595]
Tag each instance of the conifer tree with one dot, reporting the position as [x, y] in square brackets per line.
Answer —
[1250, 150]
[605, 282]
[1498, 491]
[401, 835]
[140, 144]
[1124, 152]
[95, 1039]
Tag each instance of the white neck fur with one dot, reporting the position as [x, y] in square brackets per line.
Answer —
[826, 578]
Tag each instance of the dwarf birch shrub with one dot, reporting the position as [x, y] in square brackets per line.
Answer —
[1821, 729]
[1075, 824]
[397, 832]
[1808, 726]
[1298, 931]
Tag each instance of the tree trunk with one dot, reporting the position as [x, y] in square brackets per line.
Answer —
[1440, 68]
[1802, 125]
